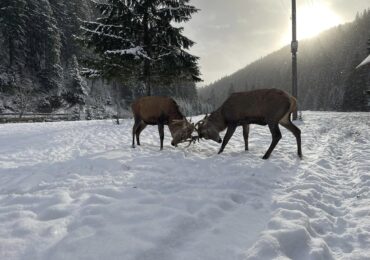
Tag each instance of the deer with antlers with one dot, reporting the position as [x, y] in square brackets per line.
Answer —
[161, 111]
[263, 107]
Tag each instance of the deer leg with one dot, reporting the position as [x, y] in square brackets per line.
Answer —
[134, 129]
[138, 132]
[246, 135]
[161, 134]
[276, 136]
[296, 132]
[229, 133]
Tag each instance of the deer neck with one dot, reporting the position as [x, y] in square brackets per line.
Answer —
[175, 127]
[218, 120]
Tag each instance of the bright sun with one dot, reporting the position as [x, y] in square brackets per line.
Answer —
[311, 20]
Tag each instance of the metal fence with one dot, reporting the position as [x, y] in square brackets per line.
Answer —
[34, 117]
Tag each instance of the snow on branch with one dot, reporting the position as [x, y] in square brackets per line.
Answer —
[90, 73]
[178, 8]
[104, 34]
[101, 25]
[137, 51]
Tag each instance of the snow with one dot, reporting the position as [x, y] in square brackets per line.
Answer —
[100, 33]
[136, 51]
[364, 62]
[76, 190]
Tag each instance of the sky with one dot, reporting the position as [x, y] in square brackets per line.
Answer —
[230, 34]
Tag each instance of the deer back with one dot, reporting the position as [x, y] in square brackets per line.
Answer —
[154, 110]
[258, 105]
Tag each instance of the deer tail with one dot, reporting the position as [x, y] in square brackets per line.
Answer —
[293, 104]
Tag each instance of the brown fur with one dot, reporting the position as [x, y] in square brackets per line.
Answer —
[264, 107]
[161, 111]
[154, 109]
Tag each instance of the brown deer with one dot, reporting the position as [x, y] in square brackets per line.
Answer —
[263, 107]
[160, 111]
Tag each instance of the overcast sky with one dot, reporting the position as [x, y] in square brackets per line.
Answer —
[232, 33]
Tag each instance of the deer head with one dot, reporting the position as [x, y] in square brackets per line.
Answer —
[208, 130]
[181, 131]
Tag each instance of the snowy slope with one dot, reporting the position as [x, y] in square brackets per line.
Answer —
[76, 190]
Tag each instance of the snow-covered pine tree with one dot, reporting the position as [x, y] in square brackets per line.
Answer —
[13, 22]
[138, 39]
[67, 15]
[44, 45]
[63, 20]
[76, 91]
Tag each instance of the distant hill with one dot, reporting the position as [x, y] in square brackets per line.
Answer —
[327, 76]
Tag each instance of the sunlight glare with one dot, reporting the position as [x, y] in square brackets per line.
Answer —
[311, 20]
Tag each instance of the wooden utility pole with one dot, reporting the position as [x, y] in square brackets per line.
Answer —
[294, 48]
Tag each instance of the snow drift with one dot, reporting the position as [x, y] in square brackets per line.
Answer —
[76, 190]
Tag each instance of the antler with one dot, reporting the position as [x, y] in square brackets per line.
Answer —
[200, 123]
[191, 140]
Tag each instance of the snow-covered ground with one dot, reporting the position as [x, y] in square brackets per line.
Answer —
[76, 190]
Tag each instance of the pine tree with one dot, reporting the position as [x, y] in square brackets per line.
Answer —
[76, 89]
[137, 40]
[231, 90]
[63, 21]
[13, 22]
[44, 44]
[68, 15]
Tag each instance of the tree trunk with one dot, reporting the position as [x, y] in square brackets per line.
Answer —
[118, 107]
[146, 39]
[117, 117]
[11, 51]
[117, 100]
[147, 78]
